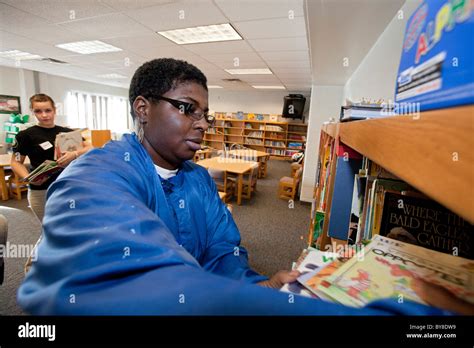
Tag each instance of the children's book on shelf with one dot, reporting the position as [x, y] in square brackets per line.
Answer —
[412, 218]
[43, 173]
[387, 268]
[70, 141]
[309, 261]
[348, 163]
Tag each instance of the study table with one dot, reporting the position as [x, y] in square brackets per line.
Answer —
[252, 155]
[230, 165]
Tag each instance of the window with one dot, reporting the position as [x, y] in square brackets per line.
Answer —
[94, 111]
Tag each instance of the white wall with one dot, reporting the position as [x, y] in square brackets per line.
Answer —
[9, 81]
[376, 75]
[258, 101]
[57, 87]
[9, 85]
[325, 103]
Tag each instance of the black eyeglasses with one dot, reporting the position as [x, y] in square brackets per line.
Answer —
[189, 110]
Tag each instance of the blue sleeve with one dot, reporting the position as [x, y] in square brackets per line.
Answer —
[224, 255]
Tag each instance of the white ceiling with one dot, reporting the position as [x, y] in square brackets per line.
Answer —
[274, 33]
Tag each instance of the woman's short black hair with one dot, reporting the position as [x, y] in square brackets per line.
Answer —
[158, 76]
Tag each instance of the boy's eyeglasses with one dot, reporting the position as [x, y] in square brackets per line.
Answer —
[189, 110]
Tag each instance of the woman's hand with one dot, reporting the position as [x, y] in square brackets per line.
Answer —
[67, 158]
[279, 279]
[438, 296]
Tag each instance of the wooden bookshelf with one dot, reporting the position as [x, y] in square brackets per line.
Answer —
[330, 128]
[268, 136]
[432, 152]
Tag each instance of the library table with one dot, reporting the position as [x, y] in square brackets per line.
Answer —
[230, 165]
[253, 155]
[5, 162]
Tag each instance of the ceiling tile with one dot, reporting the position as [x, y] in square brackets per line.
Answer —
[141, 44]
[57, 11]
[293, 75]
[107, 26]
[179, 15]
[272, 28]
[282, 44]
[289, 70]
[239, 46]
[262, 79]
[175, 51]
[130, 5]
[233, 59]
[10, 41]
[258, 64]
[294, 56]
[288, 63]
[250, 9]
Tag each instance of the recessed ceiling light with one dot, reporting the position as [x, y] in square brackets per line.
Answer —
[214, 86]
[113, 76]
[19, 55]
[208, 33]
[265, 71]
[89, 47]
[269, 87]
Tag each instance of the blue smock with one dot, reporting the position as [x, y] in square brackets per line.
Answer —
[117, 239]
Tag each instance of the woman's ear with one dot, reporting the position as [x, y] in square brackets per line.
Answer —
[141, 107]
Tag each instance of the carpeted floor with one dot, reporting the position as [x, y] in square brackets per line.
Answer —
[273, 231]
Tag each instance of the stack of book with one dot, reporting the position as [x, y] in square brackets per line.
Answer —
[365, 111]
[385, 268]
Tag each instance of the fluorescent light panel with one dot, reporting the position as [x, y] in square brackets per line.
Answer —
[265, 71]
[89, 47]
[19, 55]
[214, 86]
[208, 33]
[269, 87]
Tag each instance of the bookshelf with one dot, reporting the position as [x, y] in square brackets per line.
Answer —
[432, 152]
[279, 139]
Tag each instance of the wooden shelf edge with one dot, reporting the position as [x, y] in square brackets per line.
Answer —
[434, 152]
[331, 129]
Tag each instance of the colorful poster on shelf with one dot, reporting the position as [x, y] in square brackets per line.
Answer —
[437, 63]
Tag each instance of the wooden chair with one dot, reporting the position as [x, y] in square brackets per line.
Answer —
[100, 137]
[288, 187]
[249, 182]
[16, 187]
[294, 168]
[222, 182]
[262, 170]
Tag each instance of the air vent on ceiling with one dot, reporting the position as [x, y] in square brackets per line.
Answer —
[52, 60]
